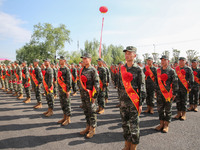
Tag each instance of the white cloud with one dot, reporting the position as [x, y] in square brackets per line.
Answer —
[10, 28]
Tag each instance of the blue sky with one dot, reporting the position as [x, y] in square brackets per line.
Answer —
[141, 23]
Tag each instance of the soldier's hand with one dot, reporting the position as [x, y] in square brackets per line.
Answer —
[93, 100]
[67, 94]
[107, 84]
[140, 109]
[49, 90]
[189, 90]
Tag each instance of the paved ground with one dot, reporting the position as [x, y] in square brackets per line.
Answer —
[22, 127]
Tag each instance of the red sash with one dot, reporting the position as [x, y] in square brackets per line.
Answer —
[196, 79]
[46, 86]
[7, 73]
[61, 83]
[34, 79]
[129, 90]
[182, 78]
[26, 84]
[16, 75]
[150, 72]
[74, 80]
[167, 95]
[90, 92]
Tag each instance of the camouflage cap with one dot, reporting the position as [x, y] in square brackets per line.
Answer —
[149, 58]
[61, 58]
[53, 64]
[181, 58]
[121, 62]
[86, 55]
[30, 64]
[130, 49]
[194, 60]
[47, 59]
[16, 61]
[175, 62]
[72, 63]
[99, 59]
[164, 57]
[36, 60]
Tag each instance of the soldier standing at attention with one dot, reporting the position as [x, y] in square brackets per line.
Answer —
[185, 83]
[5, 78]
[2, 84]
[89, 87]
[132, 86]
[55, 86]
[48, 87]
[74, 79]
[26, 82]
[64, 86]
[31, 68]
[194, 93]
[14, 82]
[150, 74]
[18, 75]
[37, 83]
[102, 82]
[166, 89]
[9, 75]
[107, 81]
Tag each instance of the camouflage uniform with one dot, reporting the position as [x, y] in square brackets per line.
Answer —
[150, 87]
[181, 99]
[165, 107]
[89, 108]
[25, 81]
[107, 81]
[1, 74]
[128, 111]
[74, 84]
[65, 101]
[49, 81]
[10, 84]
[39, 77]
[78, 76]
[55, 85]
[14, 79]
[194, 93]
[19, 85]
[32, 83]
[6, 78]
[101, 93]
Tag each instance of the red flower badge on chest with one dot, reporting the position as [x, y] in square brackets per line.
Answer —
[128, 77]
[23, 71]
[195, 73]
[147, 73]
[84, 79]
[43, 72]
[183, 72]
[59, 74]
[33, 72]
[164, 78]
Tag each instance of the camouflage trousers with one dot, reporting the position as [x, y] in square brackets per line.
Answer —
[2, 83]
[6, 83]
[19, 88]
[150, 96]
[194, 96]
[74, 87]
[164, 108]
[130, 120]
[89, 109]
[106, 92]
[181, 100]
[38, 93]
[10, 85]
[32, 84]
[78, 84]
[101, 98]
[15, 86]
[65, 103]
[50, 100]
[55, 88]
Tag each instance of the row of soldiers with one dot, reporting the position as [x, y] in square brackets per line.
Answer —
[135, 84]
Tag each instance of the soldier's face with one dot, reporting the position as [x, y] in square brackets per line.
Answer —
[194, 64]
[149, 62]
[99, 63]
[164, 62]
[182, 62]
[46, 63]
[62, 62]
[129, 56]
[86, 61]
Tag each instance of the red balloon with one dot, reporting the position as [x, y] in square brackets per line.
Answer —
[103, 9]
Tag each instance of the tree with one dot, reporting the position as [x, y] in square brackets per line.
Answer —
[155, 57]
[75, 57]
[176, 54]
[46, 41]
[191, 54]
[166, 52]
[145, 56]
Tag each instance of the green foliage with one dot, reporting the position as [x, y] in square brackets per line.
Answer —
[46, 42]
[75, 57]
